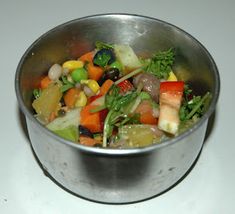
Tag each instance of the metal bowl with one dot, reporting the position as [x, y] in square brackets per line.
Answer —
[116, 175]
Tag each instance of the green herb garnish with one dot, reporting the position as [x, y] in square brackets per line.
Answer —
[66, 84]
[194, 107]
[160, 64]
[37, 92]
[117, 105]
[101, 45]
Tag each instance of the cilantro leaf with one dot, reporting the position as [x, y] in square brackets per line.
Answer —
[160, 64]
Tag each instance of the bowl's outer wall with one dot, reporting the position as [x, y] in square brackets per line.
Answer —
[115, 178]
[123, 178]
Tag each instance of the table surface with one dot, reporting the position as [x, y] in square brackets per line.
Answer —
[209, 187]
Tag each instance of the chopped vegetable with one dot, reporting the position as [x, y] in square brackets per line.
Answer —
[73, 64]
[66, 84]
[170, 101]
[45, 82]
[87, 141]
[90, 120]
[68, 133]
[116, 104]
[37, 92]
[161, 64]
[125, 86]
[92, 84]
[105, 87]
[94, 72]
[79, 74]
[87, 57]
[145, 110]
[127, 57]
[101, 45]
[71, 118]
[66, 126]
[194, 107]
[71, 96]
[81, 100]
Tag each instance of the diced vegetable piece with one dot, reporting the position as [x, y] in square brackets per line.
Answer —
[98, 100]
[145, 109]
[105, 87]
[73, 64]
[79, 74]
[92, 84]
[71, 97]
[94, 72]
[81, 100]
[45, 82]
[68, 133]
[174, 87]
[66, 126]
[87, 57]
[103, 114]
[71, 118]
[125, 86]
[87, 141]
[139, 135]
[116, 64]
[170, 101]
[48, 102]
[90, 120]
[127, 57]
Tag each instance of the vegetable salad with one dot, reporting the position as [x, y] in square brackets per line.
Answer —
[110, 97]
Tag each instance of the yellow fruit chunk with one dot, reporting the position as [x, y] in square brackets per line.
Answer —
[172, 77]
[48, 102]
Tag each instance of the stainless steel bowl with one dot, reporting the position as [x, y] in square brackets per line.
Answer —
[113, 175]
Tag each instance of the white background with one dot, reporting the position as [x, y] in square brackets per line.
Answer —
[208, 189]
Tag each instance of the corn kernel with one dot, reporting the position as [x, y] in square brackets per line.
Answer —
[82, 100]
[92, 84]
[73, 64]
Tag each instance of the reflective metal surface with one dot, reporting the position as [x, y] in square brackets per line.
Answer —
[109, 175]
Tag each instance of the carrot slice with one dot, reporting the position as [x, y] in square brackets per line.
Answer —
[145, 110]
[87, 141]
[90, 120]
[87, 57]
[45, 82]
[105, 87]
[94, 72]
[71, 96]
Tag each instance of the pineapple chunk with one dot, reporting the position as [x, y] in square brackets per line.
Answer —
[172, 76]
[48, 102]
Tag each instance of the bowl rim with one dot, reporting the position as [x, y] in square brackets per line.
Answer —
[115, 151]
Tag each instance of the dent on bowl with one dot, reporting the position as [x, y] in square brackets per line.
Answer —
[114, 175]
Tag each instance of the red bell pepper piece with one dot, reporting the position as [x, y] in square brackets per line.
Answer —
[102, 114]
[172, 86]
[125, 86]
